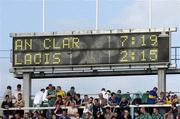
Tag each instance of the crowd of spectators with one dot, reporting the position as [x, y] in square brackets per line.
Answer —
[72, 105]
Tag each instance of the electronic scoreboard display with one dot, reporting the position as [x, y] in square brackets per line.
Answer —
[91, 49]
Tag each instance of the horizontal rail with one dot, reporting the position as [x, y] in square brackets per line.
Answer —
[82, 107]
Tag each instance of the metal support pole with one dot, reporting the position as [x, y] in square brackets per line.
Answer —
[97, 14]
[150, 13]
[43, 16]
[132, 112]
[27, 88]
[161, 80]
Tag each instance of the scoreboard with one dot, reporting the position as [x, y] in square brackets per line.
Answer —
[91, 49]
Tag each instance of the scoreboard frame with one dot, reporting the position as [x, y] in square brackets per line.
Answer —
[165, 32]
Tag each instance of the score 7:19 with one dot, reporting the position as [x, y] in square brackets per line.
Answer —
[132, 39]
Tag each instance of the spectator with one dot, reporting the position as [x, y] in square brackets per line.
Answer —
[152, 98]
[77, 116]
[124, 103]
[105, 95]
[168, 99]
[174, 99]
[119, 95]
[45, 100]
[26, 115]
[144, 114]
[18, 90]
[136, 115]
[72, 92]
[64, 115]
[35, 115]
[156, 114]
[9, 93]
[17, 116]
[72, 110]
[38, 98]
[169, 115]
[89, 106]
[88, 115]
[60, 92]
[51, 96]
[108, 114]
[85, 100]
[145, 97]
[162, 98]
[126, 115]
[113, 100]
[96, 108]
[7, 103]
[102, 101]
[78, 99]
[137, 100]
[18, 104]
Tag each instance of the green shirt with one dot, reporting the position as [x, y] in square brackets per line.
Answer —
[145, 116]
[157, 116]
[53, 99]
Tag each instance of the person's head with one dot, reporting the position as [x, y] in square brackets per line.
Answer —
[73, 103]
[118, 91]
[88, 115]
[19, 96]
[108, 109]
[86, 97]
[58, 88]
[136, 114]
[42, 90]
[155, 89]
[90, 100]
[9, 87]
[77, 96]
[155, 110]
[126, 112]
[7, 97]
[96, 101]
[77, 115]
[53, 116]
[50, 87]
[142, 110]
[19, 87]
[1, 117]
[123, 99]
[113, 95]
[17, 115]
[115, 114]
[72, 88]
[26, 115]
[103, 89]
[64, 113]
[35, 114]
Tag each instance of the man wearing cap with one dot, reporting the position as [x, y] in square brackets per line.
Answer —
[152, 98]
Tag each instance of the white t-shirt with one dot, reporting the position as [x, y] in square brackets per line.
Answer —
[45, 96]
[38, 98]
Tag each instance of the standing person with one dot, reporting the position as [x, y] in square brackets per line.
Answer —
[156, 114]
[38, 98]
[152, 97]
[51, 96]
[9, 93]
[7, 103]
[72, 92]
[78, 99]
[144, 114]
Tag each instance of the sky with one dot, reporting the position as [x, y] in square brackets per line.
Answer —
[67, 15]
